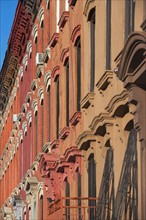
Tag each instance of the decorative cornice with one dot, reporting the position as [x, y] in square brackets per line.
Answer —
[55, 72]
[84, 139]
[87, 6]
[135, 42]
[88, 100]
[76, 33]
[63, 19]
[64, 133]
[75, 118]
[64, 55]
[54, 40]
[117, 100]
[104, 81]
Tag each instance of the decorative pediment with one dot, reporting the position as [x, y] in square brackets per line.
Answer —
[47, 161]
[132, 67]
[84, 139]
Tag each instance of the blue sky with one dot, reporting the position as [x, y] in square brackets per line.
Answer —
[7, 12]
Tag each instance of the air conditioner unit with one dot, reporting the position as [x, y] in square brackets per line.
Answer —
[39, 58]
[15, 118]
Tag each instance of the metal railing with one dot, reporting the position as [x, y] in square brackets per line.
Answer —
[79, 208]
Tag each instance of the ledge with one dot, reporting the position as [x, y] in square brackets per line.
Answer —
[64, 133]
[54, 40]
[63, 19]
[88, 100]
[75, 118]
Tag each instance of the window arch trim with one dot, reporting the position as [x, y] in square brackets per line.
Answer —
[75, 33]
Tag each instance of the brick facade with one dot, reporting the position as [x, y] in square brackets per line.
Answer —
[72, 100]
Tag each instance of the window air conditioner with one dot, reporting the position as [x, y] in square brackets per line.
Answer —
[39, 59]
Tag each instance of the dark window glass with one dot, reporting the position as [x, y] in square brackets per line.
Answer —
[49, 115]
[108, 34]
[92, 185]
[91, 19]
[78, 71]
[57, 107]
[79, 195]
[129, 17]
[67, 202]
[67, 91]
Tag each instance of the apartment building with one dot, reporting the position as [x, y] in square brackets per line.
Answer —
[72, 111]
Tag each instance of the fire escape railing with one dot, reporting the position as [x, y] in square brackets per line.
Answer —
[79, 208]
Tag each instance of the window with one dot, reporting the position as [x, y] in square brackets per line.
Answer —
[67, 91]
[91, 19]
[79, 195]
[67, 203]
[129, 17]
[49, 114]
[92, 185]
[57, 15]
[57, 107]
[78, 71]
[108, 34]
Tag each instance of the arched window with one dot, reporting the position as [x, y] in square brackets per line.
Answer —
[92, 185]
[91, 19]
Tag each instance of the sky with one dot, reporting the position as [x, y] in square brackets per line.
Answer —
[7, 12]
